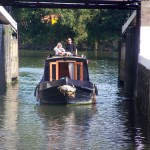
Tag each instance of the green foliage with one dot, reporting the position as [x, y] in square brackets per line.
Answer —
[85, 26]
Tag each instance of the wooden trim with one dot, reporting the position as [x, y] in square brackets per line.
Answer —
[57, 70]
[75, 71]
[51, 70]
[81, 70]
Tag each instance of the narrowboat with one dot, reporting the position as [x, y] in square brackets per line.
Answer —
[66, 81]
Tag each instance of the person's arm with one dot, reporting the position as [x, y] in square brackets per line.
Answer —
[63, 50]
[56, 51]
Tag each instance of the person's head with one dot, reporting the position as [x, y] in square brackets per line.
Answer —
[59, 45]
[69, 40]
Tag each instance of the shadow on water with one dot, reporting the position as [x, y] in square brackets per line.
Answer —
[137, 126]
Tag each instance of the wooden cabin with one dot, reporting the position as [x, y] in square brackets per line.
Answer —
[74, 68]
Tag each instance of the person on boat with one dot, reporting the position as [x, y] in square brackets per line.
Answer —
[59, 50]
[70, 47]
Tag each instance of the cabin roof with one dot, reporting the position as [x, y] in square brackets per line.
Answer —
[75, 58]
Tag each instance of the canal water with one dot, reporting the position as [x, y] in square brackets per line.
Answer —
[111, 124]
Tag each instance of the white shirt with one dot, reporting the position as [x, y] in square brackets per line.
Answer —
[59, 50]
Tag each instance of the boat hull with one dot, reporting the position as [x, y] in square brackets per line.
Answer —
[50, 92]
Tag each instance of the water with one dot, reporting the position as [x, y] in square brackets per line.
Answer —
[112, 124]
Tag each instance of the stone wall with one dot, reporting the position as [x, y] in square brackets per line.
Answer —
[2, 64]
[8, 56]
[128, 56]
[143, 90]
[143, 72]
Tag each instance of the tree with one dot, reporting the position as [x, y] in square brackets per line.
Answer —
[91, 27]
[105, 26]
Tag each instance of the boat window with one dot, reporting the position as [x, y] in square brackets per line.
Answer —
[54, 72]
[71, 70]
[78, 71]
[66, 69]
[61, 69]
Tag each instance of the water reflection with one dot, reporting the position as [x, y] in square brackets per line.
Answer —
[66, 125]
[8, 118]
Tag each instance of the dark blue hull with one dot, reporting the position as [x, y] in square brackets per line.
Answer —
[49, 92]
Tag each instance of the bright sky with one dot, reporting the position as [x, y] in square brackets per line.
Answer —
[145, 42]
[144, 56]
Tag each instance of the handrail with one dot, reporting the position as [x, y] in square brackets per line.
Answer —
[7, 19]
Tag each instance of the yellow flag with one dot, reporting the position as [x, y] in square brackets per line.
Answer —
[54, 20]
